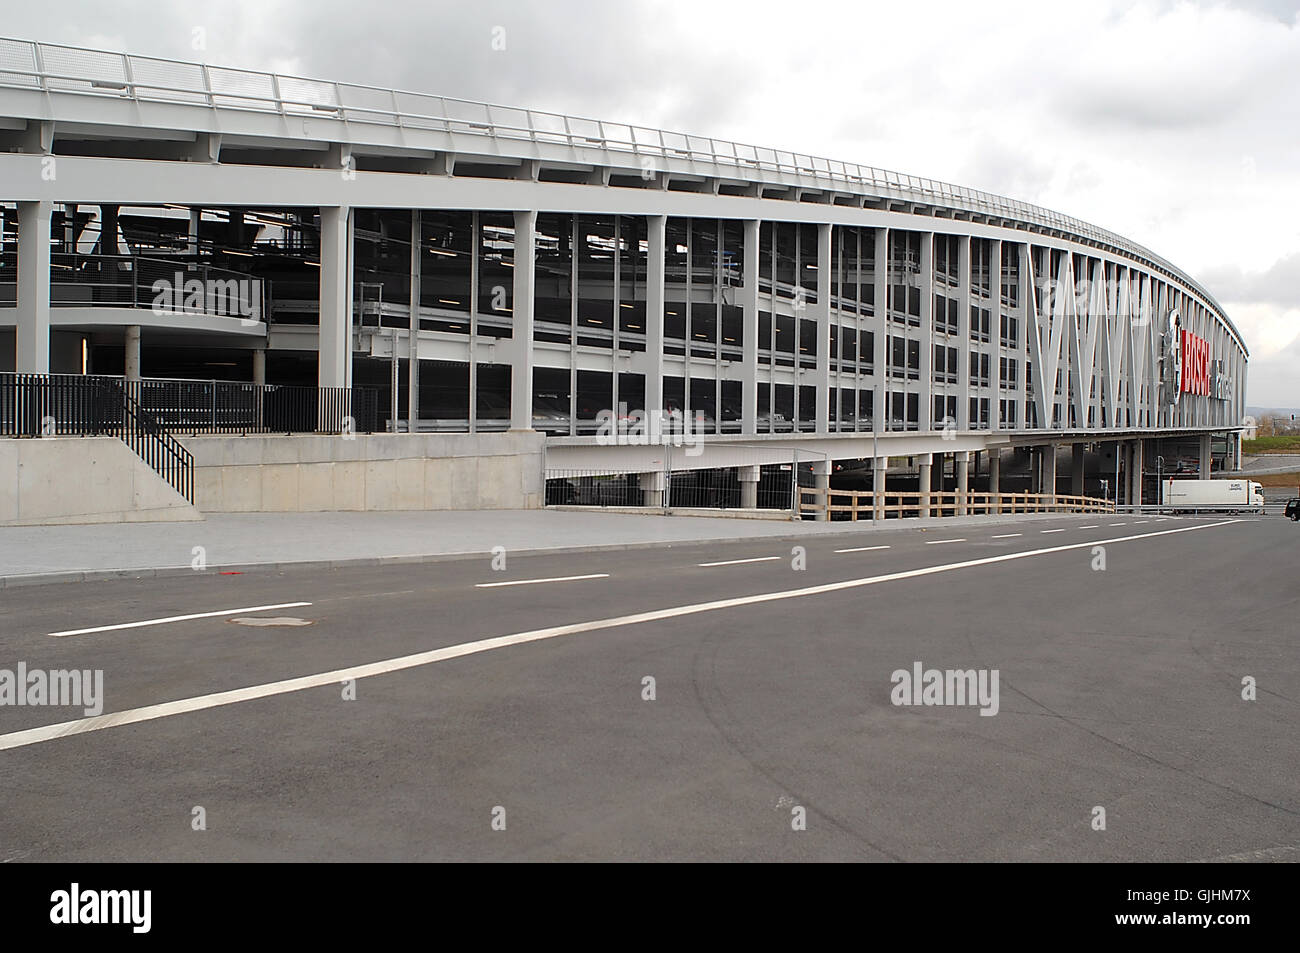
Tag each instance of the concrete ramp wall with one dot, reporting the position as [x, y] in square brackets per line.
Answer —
[82, 480]
[319, 473]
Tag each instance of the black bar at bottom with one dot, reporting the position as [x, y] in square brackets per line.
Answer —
[978, 905]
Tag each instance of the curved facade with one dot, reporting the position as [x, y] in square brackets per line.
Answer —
[552, 272]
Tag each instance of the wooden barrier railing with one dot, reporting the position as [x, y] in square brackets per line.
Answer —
[862, 504]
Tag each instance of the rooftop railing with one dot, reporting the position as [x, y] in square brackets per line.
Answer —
[54, 68]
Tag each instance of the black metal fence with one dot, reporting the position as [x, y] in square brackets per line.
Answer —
[33, 405]
[201, 407]
[593, 488]
[717, 488]
[721, 488]
[49, 405]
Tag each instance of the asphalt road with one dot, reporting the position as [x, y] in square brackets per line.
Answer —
[1118, 689]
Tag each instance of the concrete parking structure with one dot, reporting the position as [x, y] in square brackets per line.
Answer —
[483, 268]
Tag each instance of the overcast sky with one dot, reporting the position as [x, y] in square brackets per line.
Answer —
[1176, 124]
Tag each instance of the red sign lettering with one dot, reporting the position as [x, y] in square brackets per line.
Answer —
[1196, 364]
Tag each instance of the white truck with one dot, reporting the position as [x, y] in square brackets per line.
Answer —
[1237, 496]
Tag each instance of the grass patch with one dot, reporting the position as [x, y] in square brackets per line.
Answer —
[1277, 479]
[1284, 444]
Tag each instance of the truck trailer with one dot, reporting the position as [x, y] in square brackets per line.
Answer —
[1236, 496]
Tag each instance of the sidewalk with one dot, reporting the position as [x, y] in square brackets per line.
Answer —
[37, 554]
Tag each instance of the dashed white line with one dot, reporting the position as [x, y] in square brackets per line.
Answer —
[177, 618]
[936, 542]
[1051, 531]
[1117, 524]
[533, 582]
[1093, 526]
[737, 562]
[1140, 522]
[861, 549]
[131, 716]
[1007, 536]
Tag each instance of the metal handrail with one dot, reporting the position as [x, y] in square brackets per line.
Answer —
[138, 78]
[163, 453]
[130, 281]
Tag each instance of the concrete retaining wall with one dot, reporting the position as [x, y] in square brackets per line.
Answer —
[82, 480]
[318, 473]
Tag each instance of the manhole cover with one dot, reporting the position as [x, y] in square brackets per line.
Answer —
[271, 620]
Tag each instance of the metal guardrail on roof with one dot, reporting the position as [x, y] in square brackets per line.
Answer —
[54, 68]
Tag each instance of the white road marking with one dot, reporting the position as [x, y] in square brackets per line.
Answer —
[177, 618]
[1140, 522]
[131, 716]
[1007, 536]
[275, 620]
[533, 582]
[936, 542]
[1093, 526]
[861, 549]
[1117, 524]
[1051, 531]
[737, 562]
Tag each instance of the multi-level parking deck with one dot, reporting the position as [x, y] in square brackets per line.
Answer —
[490, 267]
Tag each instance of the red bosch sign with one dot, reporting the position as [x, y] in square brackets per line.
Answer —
[1196, 364]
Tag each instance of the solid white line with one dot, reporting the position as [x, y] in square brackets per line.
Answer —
[30, 736]
[861, 549]
[532, 582]
[1007, 536]
[936, 542]
[177, 618]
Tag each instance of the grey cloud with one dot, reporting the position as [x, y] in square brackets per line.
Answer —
[1169, 110]
[996, 166]
[1278, 285]
[1272, 380]
[601, 60]
[1284, 11]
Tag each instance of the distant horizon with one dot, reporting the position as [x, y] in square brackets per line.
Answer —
[1256, 411]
